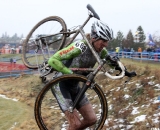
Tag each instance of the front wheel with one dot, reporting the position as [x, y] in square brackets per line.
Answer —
[49, 28]
[48, 114]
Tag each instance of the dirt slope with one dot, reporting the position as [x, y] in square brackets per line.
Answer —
[134, 106]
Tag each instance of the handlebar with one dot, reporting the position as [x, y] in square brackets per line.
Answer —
[119, 76]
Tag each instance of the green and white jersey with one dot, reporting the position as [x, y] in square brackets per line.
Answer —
[76, 55]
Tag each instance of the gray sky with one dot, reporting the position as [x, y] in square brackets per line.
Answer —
[19, 16]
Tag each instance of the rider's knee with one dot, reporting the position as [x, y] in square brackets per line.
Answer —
[92, 121]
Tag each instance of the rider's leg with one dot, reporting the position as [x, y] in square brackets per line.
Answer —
[70, 89]
[73, 120]
[89, 118]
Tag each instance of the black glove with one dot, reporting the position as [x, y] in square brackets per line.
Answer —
[112, 59]
[130, 74]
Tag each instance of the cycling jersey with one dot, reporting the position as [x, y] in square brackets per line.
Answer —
[76, 55]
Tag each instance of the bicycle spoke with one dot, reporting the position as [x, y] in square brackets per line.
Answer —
[48, 45]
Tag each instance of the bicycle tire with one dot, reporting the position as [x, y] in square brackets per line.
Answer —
[44, 27]
[44, 107]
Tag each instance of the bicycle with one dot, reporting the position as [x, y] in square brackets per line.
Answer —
[46, 106]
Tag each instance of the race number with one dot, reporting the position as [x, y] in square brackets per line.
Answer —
[81, 46]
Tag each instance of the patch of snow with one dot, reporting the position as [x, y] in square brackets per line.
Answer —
[120, 120]
[156, 120]
[151, 83]
[4, 96]
[135, 102]
[156, 101]
[138, 85]
[110, 106]
[131, 82]
[145, 106]
[118, 89]
[129, 127]
[112, 89]
[126, 96]
[135, 111]
[150, 77]
[139, 118]
[157, 85]
[107, 121]
[114, 98]
[13, 126]
[158, 114]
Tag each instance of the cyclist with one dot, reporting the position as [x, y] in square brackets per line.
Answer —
[79, 55]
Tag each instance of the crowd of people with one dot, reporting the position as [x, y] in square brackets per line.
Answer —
[148, 49]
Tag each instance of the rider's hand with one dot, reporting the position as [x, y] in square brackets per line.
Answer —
[112, 59]
[130, 74]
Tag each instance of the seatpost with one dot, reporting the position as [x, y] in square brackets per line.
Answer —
[81, 27]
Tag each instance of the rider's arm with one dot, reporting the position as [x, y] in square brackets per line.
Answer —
[71, 51]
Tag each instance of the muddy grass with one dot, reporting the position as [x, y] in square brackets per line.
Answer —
[18, 114]
[13, 113]
[142, 91]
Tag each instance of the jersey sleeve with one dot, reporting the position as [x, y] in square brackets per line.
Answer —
[71, 51]
[103, 55]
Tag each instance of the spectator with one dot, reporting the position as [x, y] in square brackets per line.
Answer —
[14, 60]
[139, 51]
[149, 49]
[144, 50]
[128, 49]
[132, 50]
[11, 60]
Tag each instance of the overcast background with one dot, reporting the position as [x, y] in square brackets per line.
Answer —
[19, 16]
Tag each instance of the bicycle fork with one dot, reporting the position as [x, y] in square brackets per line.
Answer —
[86, 85]
[83, 90]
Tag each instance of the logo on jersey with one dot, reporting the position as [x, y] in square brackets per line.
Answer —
[81, 46]
[66, 51]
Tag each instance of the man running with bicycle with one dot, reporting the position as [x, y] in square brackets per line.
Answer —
[79, 55]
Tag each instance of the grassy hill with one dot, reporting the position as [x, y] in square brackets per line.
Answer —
[134, 105]
[131, 106]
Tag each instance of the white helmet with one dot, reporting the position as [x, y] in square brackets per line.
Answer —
[100, 30]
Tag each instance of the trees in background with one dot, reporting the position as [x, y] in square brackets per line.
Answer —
[156, 39]
[124, 42]
[130, 41]
[5, 38]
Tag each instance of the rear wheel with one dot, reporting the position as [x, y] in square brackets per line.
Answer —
[48, 113]
[50, 44]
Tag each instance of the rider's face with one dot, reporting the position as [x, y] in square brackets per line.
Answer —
[100, 44]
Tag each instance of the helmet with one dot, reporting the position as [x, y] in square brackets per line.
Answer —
[100, 30]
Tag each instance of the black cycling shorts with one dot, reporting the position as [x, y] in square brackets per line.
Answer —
[69, 90]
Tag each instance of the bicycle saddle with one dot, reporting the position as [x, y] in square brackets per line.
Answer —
[89, 7]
